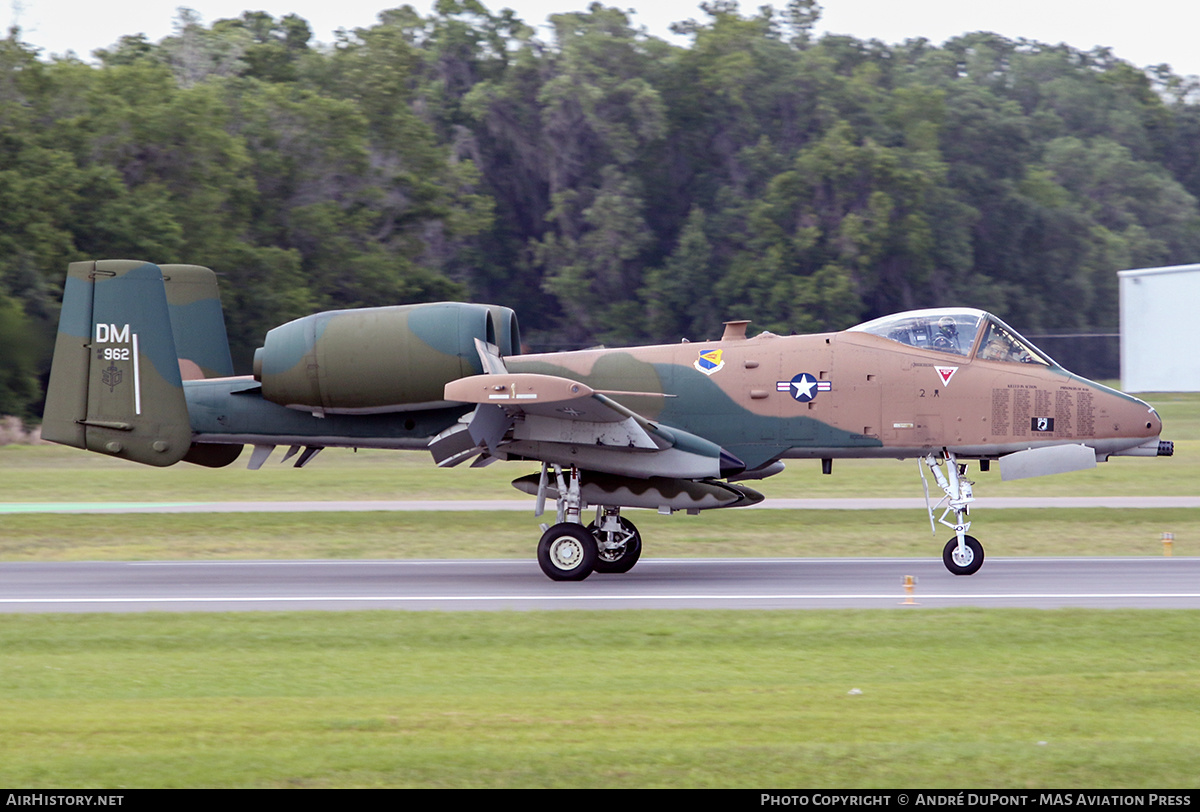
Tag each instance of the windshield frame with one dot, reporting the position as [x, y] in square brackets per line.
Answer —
[1034, 354]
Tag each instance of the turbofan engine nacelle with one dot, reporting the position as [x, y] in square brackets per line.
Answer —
[379, 359]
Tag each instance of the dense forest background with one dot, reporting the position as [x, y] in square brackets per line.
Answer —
[611, 187]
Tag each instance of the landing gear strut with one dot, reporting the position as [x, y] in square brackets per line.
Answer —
[568, 551]
[963, 554]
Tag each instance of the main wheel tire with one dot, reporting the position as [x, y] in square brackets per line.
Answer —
[967, 564]
[620, 560]
[567, 552]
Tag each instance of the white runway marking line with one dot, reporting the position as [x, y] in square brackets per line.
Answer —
[564, 598]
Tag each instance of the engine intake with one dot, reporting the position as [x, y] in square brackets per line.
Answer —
[379, 359]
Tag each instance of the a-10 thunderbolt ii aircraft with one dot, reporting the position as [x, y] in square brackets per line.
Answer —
[142, 371]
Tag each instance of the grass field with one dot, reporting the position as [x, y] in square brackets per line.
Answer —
[949, 698]
[954, 699]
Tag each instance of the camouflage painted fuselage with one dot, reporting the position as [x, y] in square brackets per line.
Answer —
[854, 395]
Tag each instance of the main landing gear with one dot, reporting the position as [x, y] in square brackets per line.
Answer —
[568, 551]
[963, 554]
[619, 544]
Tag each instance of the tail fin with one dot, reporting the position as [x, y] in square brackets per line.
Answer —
[115, 386]
[201, 342]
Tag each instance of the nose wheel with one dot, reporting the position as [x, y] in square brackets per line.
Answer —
[965, 561]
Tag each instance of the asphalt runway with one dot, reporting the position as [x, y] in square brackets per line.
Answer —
[190, 586]
[653, 584]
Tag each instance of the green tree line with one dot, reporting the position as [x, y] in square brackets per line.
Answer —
[610, 186]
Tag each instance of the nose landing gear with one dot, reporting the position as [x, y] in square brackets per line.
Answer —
[963, 554]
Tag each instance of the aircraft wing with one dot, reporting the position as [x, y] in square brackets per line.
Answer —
[566, 422]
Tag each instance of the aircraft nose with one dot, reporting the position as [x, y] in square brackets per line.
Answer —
[1133, 417]
[1145, 422]
[1166, 448]
[1154, 424]
[1135, 421]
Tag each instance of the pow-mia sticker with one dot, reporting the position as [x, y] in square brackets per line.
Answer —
[803, 387]
[709, 361]
[1041, 424]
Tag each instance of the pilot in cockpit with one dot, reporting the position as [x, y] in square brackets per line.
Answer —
[946, 338]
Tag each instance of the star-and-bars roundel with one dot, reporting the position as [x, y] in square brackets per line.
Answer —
[803, 387]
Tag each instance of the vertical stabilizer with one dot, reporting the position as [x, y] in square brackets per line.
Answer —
[197, 322]
[115, 386]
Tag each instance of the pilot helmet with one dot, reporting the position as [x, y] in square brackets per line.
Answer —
[948, 327]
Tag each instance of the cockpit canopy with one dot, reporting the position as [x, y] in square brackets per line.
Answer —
[961, 331]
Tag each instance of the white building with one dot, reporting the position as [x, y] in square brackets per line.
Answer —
[1160, 329]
